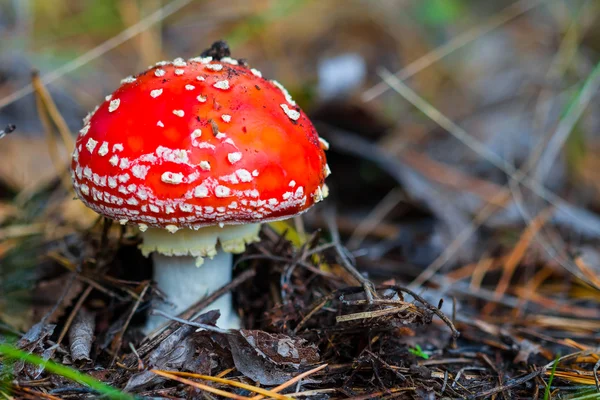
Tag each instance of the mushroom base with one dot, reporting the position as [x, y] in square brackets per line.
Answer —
[184, 284]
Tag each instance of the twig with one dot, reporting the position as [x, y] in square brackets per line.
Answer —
[37, 393]
[429, 306]
[295, 379]
[312, 312]
[271, 394]
[343, 255]
[388, 366]
[53, 112]
[508, 385]
[119, 338]
[353, 290]
[76, 308]
[445, 382]
[59, 163]
[192, 323]
[371, 314]
[200, 386]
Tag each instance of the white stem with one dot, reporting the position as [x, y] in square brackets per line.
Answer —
[192, 264]
[184, 284]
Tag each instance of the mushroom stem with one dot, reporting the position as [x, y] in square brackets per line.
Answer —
[184, 284]
[192, 264]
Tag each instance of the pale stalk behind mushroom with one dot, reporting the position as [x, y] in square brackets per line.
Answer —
[192, 264]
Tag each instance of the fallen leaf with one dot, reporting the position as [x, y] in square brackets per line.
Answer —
[172, 353]
[33, 343]
[81, 335]
[281, 349]
[270, 359]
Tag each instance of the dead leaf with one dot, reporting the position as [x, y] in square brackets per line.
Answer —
[270, 359]
[81, 335]
[33, 343]
[281, 349]
[172, 353]
[179, 354]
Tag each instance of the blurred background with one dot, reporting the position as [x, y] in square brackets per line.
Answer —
[464, 136]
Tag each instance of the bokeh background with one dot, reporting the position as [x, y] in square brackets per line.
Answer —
[464, 137]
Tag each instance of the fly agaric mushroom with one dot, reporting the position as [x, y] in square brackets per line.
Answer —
[198, 154]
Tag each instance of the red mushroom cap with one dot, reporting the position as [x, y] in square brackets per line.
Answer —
[196, 143]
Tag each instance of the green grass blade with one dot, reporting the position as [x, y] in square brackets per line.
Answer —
[69, 373]
[547, 391]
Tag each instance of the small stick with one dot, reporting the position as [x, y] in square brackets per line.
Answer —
[192, 323]
[388, 366]
[370, 314]
[74, 312]
[119, 338]
[292, 381]
[230, 382]
[347, 263]
[45, 119]
[198, 385]
[312, 312]
[435, 310]
[52, 111]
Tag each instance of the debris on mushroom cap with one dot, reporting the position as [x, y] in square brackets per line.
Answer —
[199, 142]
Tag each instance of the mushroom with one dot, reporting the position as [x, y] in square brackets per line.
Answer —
[198, 153]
